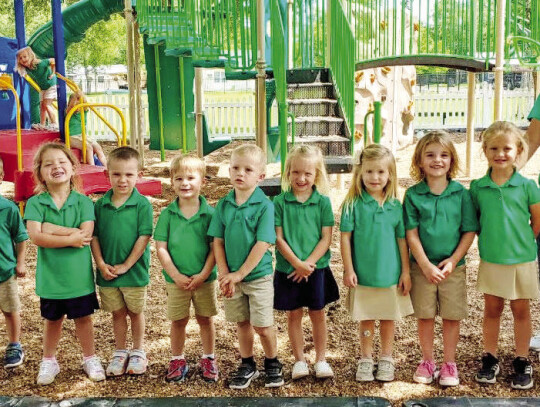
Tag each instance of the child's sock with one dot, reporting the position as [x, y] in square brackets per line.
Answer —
[15, 343]
[51, 359]
[249, 361]
[179, 357]
[87, 358]
[208, 356]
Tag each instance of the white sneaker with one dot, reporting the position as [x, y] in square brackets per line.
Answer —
[385, 369]
[48, 370]
[323, 370]
[364, 373]
[299, 370]
[94, 369]
[535, 342]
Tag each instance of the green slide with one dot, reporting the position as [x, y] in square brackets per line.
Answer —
[77, 19]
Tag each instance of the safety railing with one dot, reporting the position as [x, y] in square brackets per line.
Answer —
[342, 64]
[308, 33]
[81, 107]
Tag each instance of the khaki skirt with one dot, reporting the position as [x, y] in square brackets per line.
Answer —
[376, 303]
[512, 282]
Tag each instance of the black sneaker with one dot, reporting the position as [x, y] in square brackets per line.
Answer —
[14, 355]
[489, 370]
[274, 374]
[523, 372]
[243, 376]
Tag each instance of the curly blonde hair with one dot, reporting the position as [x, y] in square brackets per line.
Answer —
[434, 137]
[41, 186]
[313, 154]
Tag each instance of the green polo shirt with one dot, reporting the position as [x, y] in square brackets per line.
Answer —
[440, 219]
[75, 125]
[12, 231]
[117, 230]
[187, 240]
[63, 272]
[41, 73]
[375, 230]
[243, 226]
[302, 224]
[535, 111]
[506, 236]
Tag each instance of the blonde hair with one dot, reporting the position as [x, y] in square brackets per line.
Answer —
[312, 153]
[124, 153]
[76, 98]
[502, 128]
[34, 61]
[38, 161]
[253, 151]
[434, 137]
[188, 163]
[373, 152]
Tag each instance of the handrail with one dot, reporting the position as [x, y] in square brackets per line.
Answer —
[81, 106]
[6, 85]
[515, 40]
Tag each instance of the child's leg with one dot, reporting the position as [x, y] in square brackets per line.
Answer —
[208, 334]
[89, 154]
[296, 335]
[43, 113]
[426, 328]
[178, 336]
[138, 324]
[522, 326]
[367, 331]
[120, 328]
[245, 338]
[320, 338]
[13, 326]
[84, 329]
[51, 336]
[387, 337]
[450, 339]
[99, 152]
[268, 341]
[50, 110]
[493, 308]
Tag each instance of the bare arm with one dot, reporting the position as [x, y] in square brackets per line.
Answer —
[405, 277]
[254, 257]
[46, 240]
[533, 136]
[20, 250]
[535, 218]
[285, 249]
[138, 249]
[448, 265]
[165, 259]
[221, 258]
[105, 269]
[349, 276]
[432, 273]
[323, 245]
[199, 278]
[57, 230]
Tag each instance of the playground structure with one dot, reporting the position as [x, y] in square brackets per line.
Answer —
[313, 60]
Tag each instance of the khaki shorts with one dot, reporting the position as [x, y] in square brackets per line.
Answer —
[252, 301]
[178, 301]
[512, 282]
[116, 298]
[378, 303]
[447, 299]
[9, 295]
[48, 94]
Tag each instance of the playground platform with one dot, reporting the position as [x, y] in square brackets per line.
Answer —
[94, 179]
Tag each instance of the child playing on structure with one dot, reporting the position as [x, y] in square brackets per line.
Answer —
[185, 252]
[94, 152]
[304, 221]
[375, 257]
[13, 239]
[441, 224]
[120, 247]
[60, 222]
[509, 211]
[243, 230]
[42, 72]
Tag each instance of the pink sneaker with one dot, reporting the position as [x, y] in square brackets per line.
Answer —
[426, 372]
[449, 374]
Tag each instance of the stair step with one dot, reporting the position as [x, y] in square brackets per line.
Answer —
[313, 107]
[316, 90]
[329, 145]
[271, 186]
[317, 126]
[339, 164]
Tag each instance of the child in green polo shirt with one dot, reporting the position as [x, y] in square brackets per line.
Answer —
[122, 254]
[243, 231]
[441, 224]
[509, 211]
[304, 220]
[13, 239]
[60, 222]
[185, 252]
[375, 257]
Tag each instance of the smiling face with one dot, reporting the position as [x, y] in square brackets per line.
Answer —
[187, 183]
[375, 175]
[25, 58]
[245, 172]
[502, 152]
[435, 161]
[302, 175]
[56, 168]
[123, 175]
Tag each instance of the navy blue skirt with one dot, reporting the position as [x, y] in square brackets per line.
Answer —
[319, 290]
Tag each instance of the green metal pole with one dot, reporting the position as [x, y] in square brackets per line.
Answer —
[283, 135]
[377, 122]
[160, 103]
[183, 104]
[366, 131]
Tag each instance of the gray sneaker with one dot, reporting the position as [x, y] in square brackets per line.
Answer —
[385, 369]
[364, 372]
